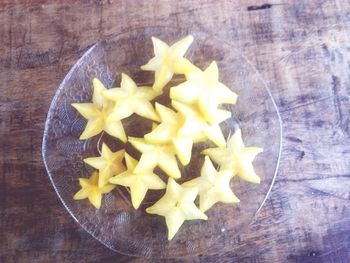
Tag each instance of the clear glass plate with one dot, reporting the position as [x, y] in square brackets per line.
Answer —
[117, 225]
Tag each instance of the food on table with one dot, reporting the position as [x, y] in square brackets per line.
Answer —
[108, 164]
[131, 99]
[213, 185]
[167, 132]
[98, 113]
[237, 158]
[204, 89]
[211, 131]
[177, 205]
[194, 118]
[168, 61]
[91, 190]
[162, 155]
[139, 183]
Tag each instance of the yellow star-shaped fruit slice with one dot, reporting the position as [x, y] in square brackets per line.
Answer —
[131, 99]
[177, 205]
[139, 183]
[89, 189]
[211, 131]
[213, 186]
[167, 132]
[108, 164]
[237, 158]
[204, 89]
[97, 114]
[162, 155]
[168, 61]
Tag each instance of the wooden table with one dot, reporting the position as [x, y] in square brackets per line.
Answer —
[301, 48]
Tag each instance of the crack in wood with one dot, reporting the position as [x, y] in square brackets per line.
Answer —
[259, 7]
[325, 193]
[311, 179]
[306, 104]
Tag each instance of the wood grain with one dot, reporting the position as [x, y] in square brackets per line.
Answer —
[301, 48]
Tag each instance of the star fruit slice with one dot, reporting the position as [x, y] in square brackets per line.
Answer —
[97, 114]
[168, 61]
[213, 185]
[139, 183]
[177, 205]
[131, 99]
[91, 190]
[108, 164]
[236, 158]
[204, 89]
[167, 132]
[211, 131]
[162, 155]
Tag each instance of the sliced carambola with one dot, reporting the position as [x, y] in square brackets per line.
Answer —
[204, 89]
[211, 131]
[177, 205]
[91, 190]
[236, 158]
[167, 133]
[168, 61]
[108, 164]
[162, 155]
[98, 113]
[139, 183]
[131, 99]
[213, 185]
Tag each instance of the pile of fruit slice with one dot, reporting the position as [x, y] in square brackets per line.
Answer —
[194, 117]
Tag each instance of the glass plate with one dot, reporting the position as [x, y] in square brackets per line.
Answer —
[117, 225]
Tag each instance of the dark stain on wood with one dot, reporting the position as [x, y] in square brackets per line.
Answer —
[301, 156]
[259, 7]
[293, 139]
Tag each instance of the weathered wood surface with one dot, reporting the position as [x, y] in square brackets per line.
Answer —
[301, 48]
